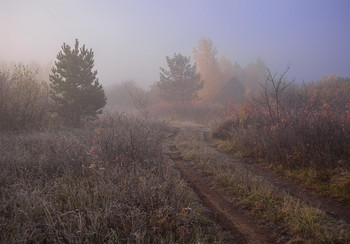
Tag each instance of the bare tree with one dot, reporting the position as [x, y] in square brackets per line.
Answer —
[271, 94]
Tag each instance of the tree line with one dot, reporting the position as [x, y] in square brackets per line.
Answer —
[208, 79]
[74, 94]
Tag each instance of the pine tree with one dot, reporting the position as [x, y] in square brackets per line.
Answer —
[181, 82]
[75, 90]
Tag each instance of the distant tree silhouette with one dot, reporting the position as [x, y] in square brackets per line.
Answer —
[233, 91]
[181, 81]
[254, 74]
[75, 90]
[119, 95]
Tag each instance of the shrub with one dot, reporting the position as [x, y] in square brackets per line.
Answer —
[23, 99]
[311, 127]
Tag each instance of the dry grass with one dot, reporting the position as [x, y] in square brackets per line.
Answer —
[107, 183]
[299, 221]
[334, 182]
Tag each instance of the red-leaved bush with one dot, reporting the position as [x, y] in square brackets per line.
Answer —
[292, 124]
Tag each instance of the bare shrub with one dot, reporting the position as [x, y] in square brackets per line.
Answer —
[23, 99]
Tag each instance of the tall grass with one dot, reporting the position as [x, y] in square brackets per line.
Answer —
[107, 183]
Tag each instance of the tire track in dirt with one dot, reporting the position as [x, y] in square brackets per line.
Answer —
[282, 184]
[227, 215]
[242, 226]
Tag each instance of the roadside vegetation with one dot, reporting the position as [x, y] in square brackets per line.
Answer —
[301, 131]
[105, 183]
[294, 220]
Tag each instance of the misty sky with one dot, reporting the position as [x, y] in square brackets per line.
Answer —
[131, 38]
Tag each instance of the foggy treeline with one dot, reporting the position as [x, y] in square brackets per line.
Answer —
[224, 81]
[224, 84]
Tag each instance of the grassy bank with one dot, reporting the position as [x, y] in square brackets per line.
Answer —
[293, 218]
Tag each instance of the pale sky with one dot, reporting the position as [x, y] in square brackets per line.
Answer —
[131, 38]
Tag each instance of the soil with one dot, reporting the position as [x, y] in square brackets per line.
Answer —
[230, 217]
[244, 227]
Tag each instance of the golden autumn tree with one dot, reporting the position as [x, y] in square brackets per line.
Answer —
[205, 56]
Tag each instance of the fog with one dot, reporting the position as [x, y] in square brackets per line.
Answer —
[131, 39]
[174, 121]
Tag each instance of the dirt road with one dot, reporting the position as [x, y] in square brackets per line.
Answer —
[282, 184]
[229, 216]
[243, 226]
